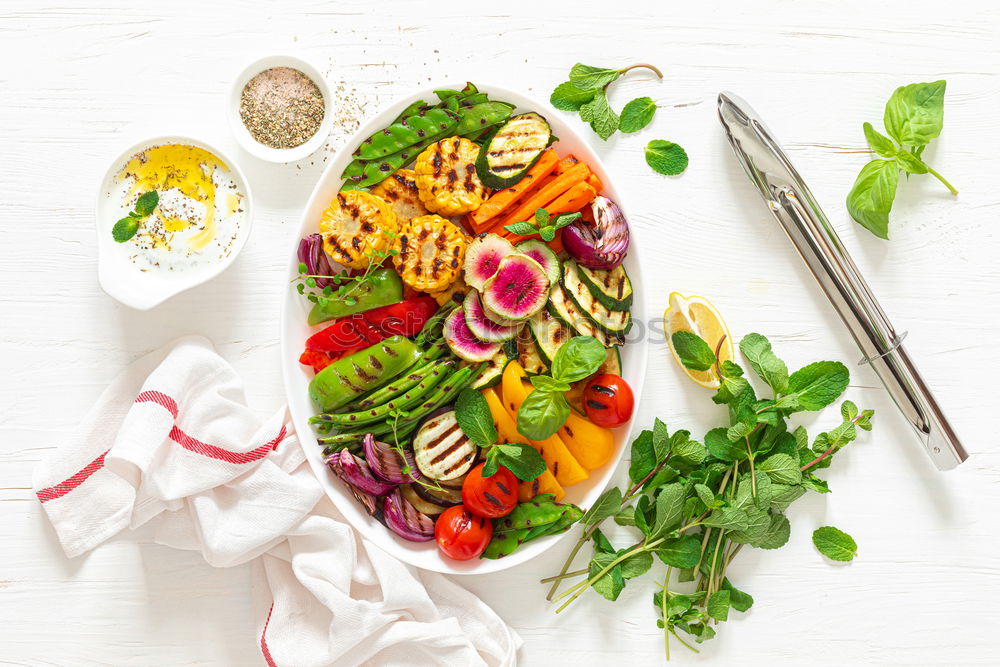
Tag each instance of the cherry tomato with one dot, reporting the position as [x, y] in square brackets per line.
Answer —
[462, 535]
[493, 496]
[608, 400]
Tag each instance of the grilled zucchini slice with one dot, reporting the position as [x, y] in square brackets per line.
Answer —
[609, 286]
[513, 148]
[446, 177]
[549, 334]
[355, 225]
[430, 253]
[400, 190]
[566, 311]
[614, 323]
[529, 357]
[440, 448]
[492, 372]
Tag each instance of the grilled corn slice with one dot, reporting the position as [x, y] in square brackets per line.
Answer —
[356, 226]
[430, 253]
[453, 292]
[400, 190]
[446, 177]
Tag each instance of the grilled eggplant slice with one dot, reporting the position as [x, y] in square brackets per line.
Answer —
[447, 179]
[355, 225]
[440, 448]
[400, 190]
[513, 148]
[430, 253]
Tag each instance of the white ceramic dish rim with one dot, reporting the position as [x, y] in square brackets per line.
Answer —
[144, 291]
[296, 377]
[251, 145]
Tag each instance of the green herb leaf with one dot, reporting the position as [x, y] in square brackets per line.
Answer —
[606, 505]
[661, 440]
[124, 229]
[521, 459]
[578, 358]
[602, 118]
[766, 364]
[637, 564]
[871, 197]
[781, 468]
[666, 157]
[474, 418]
[524, 228]
[680, 552]
[835, 544]
[727, 518]
[721, 447]
[694, 353]
[610, 585]
[910, 163]
[818, 384]
[776, 535]
[542, 217]
[669, 509]
[637, 114]
[738, 600]
[548, 234]
[146, 203]
[914, 114]
[546, 383]
[643, 458]
[587, 77]
[568, 97]
[879, 143]
[718, 605]
[563, 219]
[542, 413]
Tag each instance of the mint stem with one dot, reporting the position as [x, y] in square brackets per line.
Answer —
[655, 69]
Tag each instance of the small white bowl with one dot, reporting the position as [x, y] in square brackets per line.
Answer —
[258, 149]
[123, 279]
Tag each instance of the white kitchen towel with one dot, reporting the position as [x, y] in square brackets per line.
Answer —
[171, 441]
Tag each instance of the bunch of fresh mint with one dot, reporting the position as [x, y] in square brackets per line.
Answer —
[694, 505]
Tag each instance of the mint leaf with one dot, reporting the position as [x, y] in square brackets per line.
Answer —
[602, 118]
[541, 217]
[579, 357]
[124, 229]
[914, 114]
[607, 504]
[568, 97]
[474, 418]
[718, 605]
[637, 114]
[492, 463]
[636, 565]
[146, 203]
[680, 552]
[766, 364]
[721, 447]
[587, 77]
[661, 440]
[669, 509]
[521, 459]
[694, 353]
[727, 518]
[738, 600]
[872, 194]
[879, 143]
[818, 384]
[835, 544]
[548, 234]
[610, 585]
[781, 468]
[666, 157]
[643, 459]
[524, 228]
[563, 219]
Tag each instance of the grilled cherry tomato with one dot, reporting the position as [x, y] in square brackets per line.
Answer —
[608, 400]
[462, 535]
[493, 496]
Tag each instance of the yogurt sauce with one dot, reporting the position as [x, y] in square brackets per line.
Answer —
[199, 214]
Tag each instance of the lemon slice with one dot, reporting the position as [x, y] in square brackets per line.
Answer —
[697, 315]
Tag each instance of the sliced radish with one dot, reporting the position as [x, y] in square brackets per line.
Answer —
[483, 257]
[463, 342]
[518, 289]
[481, 326]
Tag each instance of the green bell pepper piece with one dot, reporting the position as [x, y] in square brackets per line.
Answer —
[381, 288]
[345, 379]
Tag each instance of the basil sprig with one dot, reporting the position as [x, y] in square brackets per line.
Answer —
[546, 409]
[914, 115]
[474, 418]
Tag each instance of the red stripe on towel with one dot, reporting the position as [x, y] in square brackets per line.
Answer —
[211, 451]
[160, 399]
[64, 487]
[263, 642]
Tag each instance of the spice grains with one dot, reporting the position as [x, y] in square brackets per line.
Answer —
[281, 107]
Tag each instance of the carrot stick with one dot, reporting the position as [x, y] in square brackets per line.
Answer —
[565, 163]
[595, 182]
[573, 199]
[560, 184]
[504, 198]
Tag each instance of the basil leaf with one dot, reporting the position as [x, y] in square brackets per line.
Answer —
[587, 77]
[578, 358]
[879, 143]
[871, 197]
[637, 114]
[693, 352]
[521, 459]
[835, 544]
[474, 418]
[914, 114]
[568, 97]
[910, 163]
[541, 414]
[545, 383]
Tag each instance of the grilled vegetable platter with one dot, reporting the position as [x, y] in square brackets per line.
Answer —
[456, 334]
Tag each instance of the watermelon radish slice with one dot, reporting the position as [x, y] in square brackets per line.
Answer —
[481, 326]
[544, 255]
[483, 257]
[463, 342]
[518, 289]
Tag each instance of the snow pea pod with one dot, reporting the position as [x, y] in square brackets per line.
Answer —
[504, 544]
[478, 117]
[541, 510]
[410, 110]
[345, 379]
[571, 514]
[409, 131]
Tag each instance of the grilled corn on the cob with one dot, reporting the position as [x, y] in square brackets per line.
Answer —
[446, 177]
[430, 254]
[400, 190]
[356, 226]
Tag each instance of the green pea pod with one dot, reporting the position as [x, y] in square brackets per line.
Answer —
[473, 100]
[445, 93]
[365, 173]
[345, 379]
[478, 117]
[381, 412]
[409, 131]
[570, 515]
[382, 288]
[504, 544]
[409, 111]
[398, 386]
[541, 510]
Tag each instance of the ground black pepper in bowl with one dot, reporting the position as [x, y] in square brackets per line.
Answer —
[281, 107]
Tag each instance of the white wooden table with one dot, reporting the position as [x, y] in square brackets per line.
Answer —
[80, 83]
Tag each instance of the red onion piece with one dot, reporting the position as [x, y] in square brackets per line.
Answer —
[603, 243]
[355, 472]
[311, 254]
[404, 520]
[388, 464]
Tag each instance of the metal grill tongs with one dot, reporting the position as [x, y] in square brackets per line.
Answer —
[797, 211]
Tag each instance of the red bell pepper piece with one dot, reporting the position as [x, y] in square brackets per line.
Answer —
[320, 360]
[405, 318]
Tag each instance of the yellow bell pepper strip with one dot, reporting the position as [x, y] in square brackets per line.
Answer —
[590, 444]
